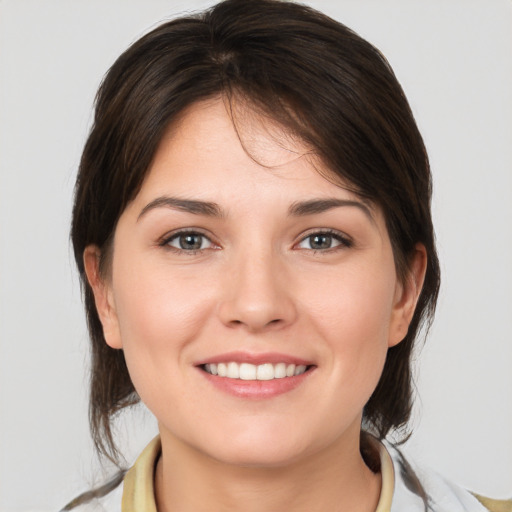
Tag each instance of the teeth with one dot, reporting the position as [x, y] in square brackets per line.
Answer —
[265, 372]
[299, 369]
[222, 370]
[233, 371]
[279, 371]
[246, 371]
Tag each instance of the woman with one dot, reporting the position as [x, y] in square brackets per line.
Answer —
[252, 227]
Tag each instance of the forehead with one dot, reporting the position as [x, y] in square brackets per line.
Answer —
[231, 150]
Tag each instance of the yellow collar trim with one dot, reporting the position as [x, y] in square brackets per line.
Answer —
[495, 505]
[138, 487]
[139, 491]
[388, 479]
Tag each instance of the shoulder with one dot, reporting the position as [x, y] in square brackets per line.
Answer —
[109, 503]
[129, 490]
[423, 489]
[106, 498]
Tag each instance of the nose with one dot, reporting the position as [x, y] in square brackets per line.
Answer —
[257, 295]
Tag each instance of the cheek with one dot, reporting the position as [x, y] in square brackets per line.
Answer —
[353, 314]
[357, 304]
[159, 316]
[156, 302]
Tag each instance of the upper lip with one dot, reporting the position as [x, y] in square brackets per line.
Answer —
[256, 359]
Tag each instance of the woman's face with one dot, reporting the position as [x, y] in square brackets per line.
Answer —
[258, 269]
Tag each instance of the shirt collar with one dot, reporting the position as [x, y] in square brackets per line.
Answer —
[138, 487]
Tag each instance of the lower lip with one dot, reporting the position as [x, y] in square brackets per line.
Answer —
[256, 389]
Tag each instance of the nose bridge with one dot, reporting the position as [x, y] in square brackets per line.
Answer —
[255, 293]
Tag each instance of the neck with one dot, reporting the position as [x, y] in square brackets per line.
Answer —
[334, 479]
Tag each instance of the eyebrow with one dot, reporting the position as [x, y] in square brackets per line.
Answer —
[210, 209]
[185, 205]
[314, 206]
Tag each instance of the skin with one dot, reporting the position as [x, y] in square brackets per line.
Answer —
[257, 284]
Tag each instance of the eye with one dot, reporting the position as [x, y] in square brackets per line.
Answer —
[189, 241]
[323, 241]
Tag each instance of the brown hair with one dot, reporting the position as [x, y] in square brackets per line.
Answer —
[315, 77]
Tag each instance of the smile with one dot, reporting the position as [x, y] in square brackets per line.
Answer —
[247, 371]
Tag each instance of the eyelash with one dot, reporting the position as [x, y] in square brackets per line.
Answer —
[165, 242]
[343, 242]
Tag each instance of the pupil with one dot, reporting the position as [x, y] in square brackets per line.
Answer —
[190, 242]
[321, 242]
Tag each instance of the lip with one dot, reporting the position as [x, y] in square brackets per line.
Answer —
[255, 389]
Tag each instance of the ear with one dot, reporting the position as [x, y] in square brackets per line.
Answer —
[103, 296]
[406, 296]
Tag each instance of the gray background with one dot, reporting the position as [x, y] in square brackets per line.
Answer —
[454, 59]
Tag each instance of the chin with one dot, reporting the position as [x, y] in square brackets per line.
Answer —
[259, 448]
[257, 456]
